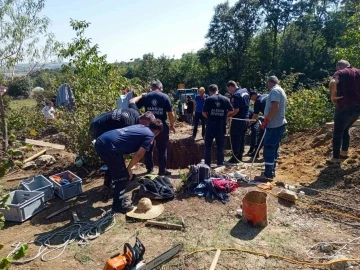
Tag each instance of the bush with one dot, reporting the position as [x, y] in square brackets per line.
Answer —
[23, 120]
[18, 87]
[308, 108]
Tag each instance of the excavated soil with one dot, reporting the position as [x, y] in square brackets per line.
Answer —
[292, 230]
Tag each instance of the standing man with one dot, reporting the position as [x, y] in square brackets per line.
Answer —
[160, 105]
[112, 145]
[275, 124]
[259, 107]
[345, 94]
[123, 100]
[215, 110]
[254, 128]
[190, 110]
[240, 100]
[199, 104]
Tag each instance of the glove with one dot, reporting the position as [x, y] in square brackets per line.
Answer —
[264, 124]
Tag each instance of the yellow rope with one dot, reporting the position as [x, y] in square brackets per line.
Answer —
[275, 256]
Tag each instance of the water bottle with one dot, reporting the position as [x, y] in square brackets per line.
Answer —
[204, 171]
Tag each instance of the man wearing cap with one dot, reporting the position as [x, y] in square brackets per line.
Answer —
[215, 110]
[198, 116]
[240, 100]
[112, 145]
[275, 124]
[345, 94]
[160, 105]
[259, 107]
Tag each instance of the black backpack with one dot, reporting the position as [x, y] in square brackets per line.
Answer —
[156, 188]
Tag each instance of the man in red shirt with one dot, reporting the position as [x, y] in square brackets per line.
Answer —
[345, 94]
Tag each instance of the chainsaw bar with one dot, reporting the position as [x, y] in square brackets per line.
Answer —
[167, 255]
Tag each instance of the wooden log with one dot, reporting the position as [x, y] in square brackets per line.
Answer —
[17, 178]
[35, 156]
[58, 212]
[165, 224]
[215, 260]
[45, 144]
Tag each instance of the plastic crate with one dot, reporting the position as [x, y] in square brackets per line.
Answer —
[39, 183]
[70, 190]
[23, 205]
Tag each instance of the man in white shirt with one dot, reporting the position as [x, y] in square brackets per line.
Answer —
[48, 110]
[123, 100]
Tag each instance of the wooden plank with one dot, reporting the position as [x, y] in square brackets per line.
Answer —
[215, 260]
[58, 212]
[331, 124]
[165, 224]
[45, 144]
[35, 156]
[17, 178]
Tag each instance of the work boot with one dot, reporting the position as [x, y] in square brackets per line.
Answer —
[165, 173]
[250, 152]
[234, 161]
[150, 171]
[107, 194]
[125, 205]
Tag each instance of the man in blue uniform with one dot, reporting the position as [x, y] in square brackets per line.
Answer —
[240, 100]
[216, 109]
[160, 105]
[259, 107]
[119, 118]
[198, 116]
[111, 146]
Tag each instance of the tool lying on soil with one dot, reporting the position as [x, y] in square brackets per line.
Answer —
[165, 224]
[58, 212]
[132, 258]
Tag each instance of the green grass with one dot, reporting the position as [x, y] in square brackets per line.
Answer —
[16, 104]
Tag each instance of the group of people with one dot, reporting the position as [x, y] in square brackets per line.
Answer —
[125, 131]
[217, 109]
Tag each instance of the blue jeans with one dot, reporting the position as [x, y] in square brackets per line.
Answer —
[162, 141]
[271, 146]
[238, 132]
[215, 131]
[343, 120]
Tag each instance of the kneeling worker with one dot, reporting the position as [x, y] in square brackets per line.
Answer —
[216, 109]
[113, 144]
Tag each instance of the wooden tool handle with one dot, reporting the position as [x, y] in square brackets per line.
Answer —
[215, 260]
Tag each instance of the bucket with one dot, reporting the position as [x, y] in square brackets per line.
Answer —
[254, 208]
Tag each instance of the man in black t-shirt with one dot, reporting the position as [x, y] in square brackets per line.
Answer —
[216, 109]
[160, 105]
[119, 118]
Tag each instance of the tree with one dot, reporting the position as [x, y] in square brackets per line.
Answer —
[21, 27]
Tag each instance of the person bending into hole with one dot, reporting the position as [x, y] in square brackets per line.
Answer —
[112, 145]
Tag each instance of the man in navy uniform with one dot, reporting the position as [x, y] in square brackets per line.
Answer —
[112, 145]
[240, 100]
[160, 105]
[119, 118]
[216, 109]
[259, 107]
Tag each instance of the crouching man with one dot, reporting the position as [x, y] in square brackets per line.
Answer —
[112, 145]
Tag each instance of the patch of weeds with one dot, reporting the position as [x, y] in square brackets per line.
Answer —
[82, 258]
[182, 176]
[169, 218]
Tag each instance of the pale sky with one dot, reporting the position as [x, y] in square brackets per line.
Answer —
[127, 29]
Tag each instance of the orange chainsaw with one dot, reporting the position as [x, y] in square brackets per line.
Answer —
[132, 258]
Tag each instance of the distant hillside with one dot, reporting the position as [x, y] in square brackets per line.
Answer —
[24, 68]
